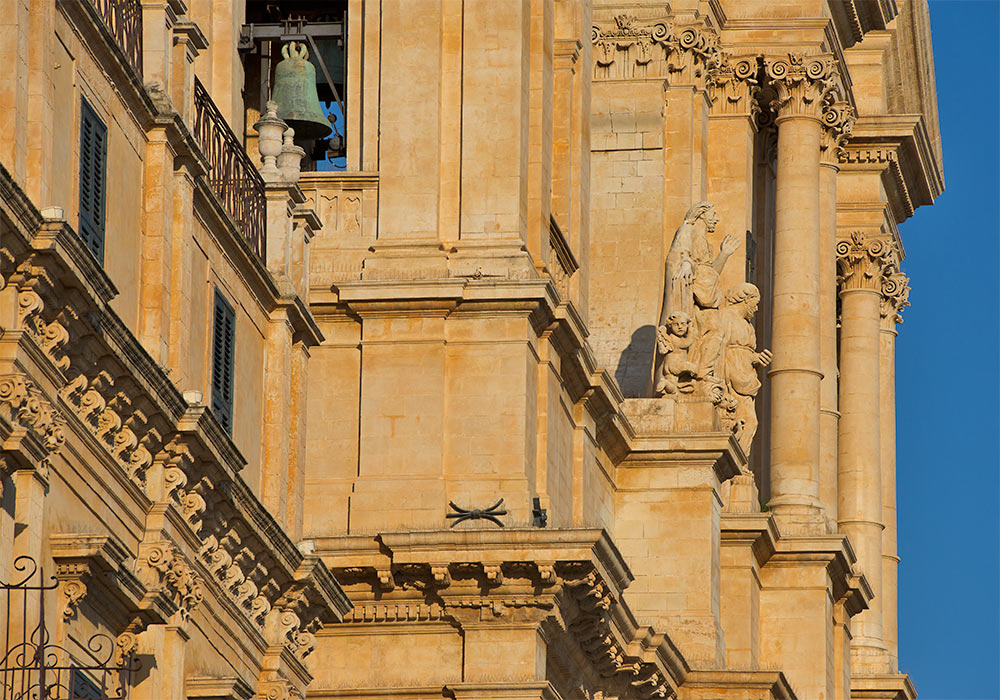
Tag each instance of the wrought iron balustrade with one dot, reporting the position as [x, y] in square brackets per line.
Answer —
[233, 178]
[33, 668]
[123, 18]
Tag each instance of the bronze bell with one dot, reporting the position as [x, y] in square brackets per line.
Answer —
[295, 92]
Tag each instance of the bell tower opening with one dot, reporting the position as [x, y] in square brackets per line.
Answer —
[294, 53]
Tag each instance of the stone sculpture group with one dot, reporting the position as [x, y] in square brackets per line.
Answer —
[705, 341]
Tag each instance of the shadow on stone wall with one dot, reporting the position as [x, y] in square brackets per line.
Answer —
[635, 365]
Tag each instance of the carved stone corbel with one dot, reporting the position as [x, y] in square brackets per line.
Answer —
[84, 561]
[164, 570]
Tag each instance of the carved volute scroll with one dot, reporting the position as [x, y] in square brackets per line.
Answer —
[802, 83]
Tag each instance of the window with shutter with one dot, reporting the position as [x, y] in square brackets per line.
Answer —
[93, 179]
[223, 357]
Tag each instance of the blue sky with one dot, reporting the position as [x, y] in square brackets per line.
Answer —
[948, 380]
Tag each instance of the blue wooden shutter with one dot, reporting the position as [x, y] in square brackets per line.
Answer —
[93, 179]
[223, 357]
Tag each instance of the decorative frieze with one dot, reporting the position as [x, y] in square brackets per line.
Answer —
[633, 47]
[861, 261]
[802, 83]
[572, 592]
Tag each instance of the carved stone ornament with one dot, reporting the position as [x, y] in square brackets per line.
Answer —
[165, 569]
[23, 404]
[518, 591]
[733, 87]
[802, 84]
[683, 52]
[706, 345]
[861, 260]
[838, 123]
[624, 36]
[895, 296]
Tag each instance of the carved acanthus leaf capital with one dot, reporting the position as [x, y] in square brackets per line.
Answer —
[895, 296]
[803, 83]
[682, 52]
[733, 86]
[861, 262]
[838, 122]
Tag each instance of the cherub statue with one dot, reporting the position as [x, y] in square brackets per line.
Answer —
[675, 371]
[741, 358]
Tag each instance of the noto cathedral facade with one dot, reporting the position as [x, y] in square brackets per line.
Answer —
[552, 358]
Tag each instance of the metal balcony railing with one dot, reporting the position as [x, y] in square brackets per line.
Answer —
[233, 178]
[123, 18]
[33, 667]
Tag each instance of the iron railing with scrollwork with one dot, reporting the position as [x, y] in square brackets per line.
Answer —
[233, 178]
[123, 18]
[33, 668]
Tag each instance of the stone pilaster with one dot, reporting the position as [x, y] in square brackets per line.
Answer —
[732, 125]
[861, 261]
[801, 84]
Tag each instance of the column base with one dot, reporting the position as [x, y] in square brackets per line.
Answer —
[869, 657]
[797, 516]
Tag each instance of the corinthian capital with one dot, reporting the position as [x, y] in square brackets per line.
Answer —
[838, 122]
[862, 262]
[733, 87]
[694, 52]
[895, 296]
[627, 46]
[802, 83]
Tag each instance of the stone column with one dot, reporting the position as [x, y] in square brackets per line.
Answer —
[838, 119]
[895, 292]
[860, 261]
[801, 84]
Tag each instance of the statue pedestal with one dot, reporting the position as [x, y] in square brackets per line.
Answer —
[668, 508]
[674, 414]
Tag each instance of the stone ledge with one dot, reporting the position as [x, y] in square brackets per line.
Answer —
[735, 685]
[894, 686]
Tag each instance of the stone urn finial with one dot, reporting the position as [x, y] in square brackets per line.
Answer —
[269, 143]
[290, 158]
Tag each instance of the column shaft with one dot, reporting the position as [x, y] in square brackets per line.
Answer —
[887, 434]
[795, 374]
[860, 482]
[828, 415]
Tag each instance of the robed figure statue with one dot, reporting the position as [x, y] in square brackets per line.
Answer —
[692, 285]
